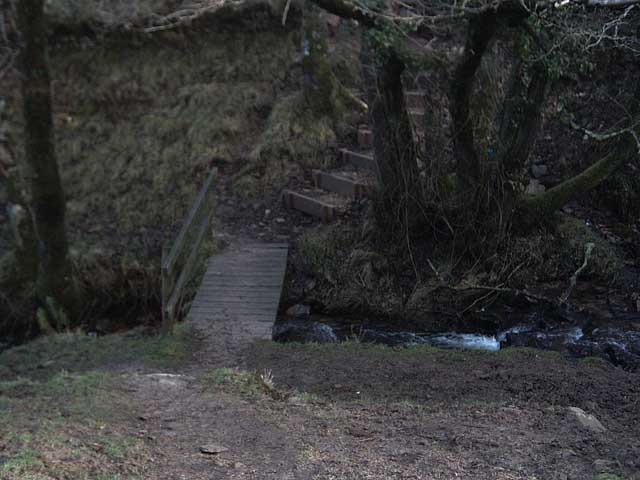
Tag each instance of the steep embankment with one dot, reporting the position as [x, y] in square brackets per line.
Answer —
[140, 119]
[139, 123]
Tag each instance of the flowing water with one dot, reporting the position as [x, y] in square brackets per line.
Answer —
[616, 340]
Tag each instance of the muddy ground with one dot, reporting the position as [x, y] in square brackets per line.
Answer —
[137, 407]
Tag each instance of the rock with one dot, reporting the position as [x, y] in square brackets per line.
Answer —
[534, 187]
[170, 379]
[556, 339]
[539, 170]
[299, 312]
[309, 285]
[303, 332]
[280, 220]
[604, 466]
[586, 420]
[622, 348]
[213, 449]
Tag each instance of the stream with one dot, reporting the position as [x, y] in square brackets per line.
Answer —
[616, 339]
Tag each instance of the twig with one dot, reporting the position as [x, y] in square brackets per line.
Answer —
[574, 278]
[601, 137]
[286, 12]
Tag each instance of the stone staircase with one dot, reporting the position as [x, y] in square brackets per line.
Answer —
[330, 194]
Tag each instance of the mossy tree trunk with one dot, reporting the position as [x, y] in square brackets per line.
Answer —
[320, 88]
[54, 283]
[395, 150]
[521, 116]
[623, 148]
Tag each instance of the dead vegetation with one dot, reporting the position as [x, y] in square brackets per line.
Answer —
[352, 273]
[141, 118]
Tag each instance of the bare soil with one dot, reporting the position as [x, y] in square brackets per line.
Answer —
[352, 411]
[345, 411]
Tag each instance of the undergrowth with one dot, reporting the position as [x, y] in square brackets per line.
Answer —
[63, 409]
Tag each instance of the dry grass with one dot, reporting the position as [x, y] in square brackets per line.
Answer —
[139, 126]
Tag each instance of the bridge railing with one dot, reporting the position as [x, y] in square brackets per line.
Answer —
[179, 258]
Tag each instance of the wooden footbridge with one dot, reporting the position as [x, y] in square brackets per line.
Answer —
[243, 283]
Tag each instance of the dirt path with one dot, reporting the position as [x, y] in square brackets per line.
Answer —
[357, 412]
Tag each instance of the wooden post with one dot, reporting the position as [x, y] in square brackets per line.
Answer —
[179, 261]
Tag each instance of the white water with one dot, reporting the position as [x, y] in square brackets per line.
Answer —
[469, 341]
[572, 334]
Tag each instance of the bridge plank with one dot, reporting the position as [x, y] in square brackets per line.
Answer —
[244, 284]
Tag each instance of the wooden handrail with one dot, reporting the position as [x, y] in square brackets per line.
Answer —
[187, 244]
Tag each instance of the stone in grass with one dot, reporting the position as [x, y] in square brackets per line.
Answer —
[213, 449]
[586, 420]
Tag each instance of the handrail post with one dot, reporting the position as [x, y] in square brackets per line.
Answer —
[166, 325]
[174, 275]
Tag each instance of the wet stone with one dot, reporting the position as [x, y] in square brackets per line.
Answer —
[303, 332]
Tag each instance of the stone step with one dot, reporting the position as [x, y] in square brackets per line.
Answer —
[312, 203]
[415, 99]
[343, 183]
[358, 160]
[417, 116]
[365, 138]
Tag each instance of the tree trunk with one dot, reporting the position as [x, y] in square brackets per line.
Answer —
[54, 283]
[521, 117]
[480, 31]
[395, 151]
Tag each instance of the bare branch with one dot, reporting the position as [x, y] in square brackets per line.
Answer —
[611, 3]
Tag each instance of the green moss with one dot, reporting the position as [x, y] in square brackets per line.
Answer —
[596, 362]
